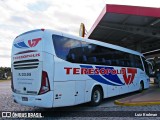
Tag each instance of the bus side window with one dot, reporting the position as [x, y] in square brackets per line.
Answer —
[71, 57]
[103, 61]
[114, 63]
[67, 48]
[145, 66]
[108, 62]
[128, 63]
[88, 54]
[138, 62]
[92, 60]
[121, 63]
[84, 59]
[118, 62]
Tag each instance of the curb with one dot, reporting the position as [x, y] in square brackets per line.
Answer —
[135, 104]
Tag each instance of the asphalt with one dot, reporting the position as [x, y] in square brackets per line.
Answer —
[150, 96]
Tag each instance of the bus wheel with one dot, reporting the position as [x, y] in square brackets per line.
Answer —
[96, 97]
[141, 88]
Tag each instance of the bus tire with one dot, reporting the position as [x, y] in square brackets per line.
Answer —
[96, 97]
[141, 88]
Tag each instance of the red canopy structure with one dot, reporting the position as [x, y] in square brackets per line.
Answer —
[134, 27]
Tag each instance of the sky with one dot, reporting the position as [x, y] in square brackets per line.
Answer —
[18, 16]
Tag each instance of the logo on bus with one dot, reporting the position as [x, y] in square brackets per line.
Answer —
[30, 44]
[105, 75]
[129, 75]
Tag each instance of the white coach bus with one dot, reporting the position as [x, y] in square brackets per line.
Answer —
[53, 69]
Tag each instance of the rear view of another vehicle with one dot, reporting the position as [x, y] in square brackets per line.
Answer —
[30, 83]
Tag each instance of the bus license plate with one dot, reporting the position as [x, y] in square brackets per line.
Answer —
[24, 98]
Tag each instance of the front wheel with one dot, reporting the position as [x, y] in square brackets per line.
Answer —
[96, 97]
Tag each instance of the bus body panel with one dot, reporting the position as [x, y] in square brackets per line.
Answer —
[32, 39]
[27, 81]
[27, 57]
[109, 90]
[48, 42]
[64, 93]
[80, 91]
[49, 66]
[69, 85]
[44, 100]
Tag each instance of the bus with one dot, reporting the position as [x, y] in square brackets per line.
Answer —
[54, 69]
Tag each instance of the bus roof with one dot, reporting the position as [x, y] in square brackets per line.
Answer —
[30, 32]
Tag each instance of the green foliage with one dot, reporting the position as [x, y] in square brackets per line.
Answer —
[4, 70]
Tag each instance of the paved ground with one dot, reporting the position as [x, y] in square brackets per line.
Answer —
[107, 106]
[147, 97]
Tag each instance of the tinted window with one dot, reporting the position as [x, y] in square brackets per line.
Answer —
[67, 48]
[86, 53]
[95, 54]
[145, 66]
[138, 62]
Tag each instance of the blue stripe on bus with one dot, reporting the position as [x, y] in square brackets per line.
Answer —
[98, 78]
[17, 46]
[113, 78]
[22, 44]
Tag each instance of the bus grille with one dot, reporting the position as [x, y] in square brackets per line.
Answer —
[26, 64]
